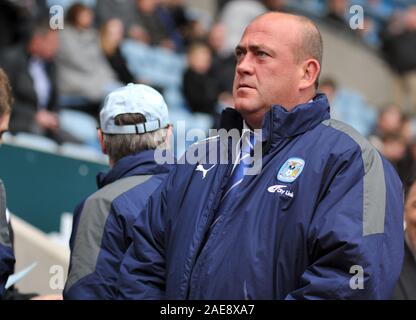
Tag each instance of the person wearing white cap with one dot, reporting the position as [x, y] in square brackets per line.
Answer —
[134, 121]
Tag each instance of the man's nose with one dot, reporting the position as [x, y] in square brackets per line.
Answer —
[245, 65]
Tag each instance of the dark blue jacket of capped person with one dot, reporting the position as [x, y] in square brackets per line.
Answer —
[7, 259]
[323, 220]
[102, 228]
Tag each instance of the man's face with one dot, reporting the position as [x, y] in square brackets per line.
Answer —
[410, 208]
[46, 45]
[267, 72]
[410, 216]
[4, 125]
[85, 19]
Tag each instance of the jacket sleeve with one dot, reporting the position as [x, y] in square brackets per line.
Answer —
[355, 238]
[7, 259]
[6, 266]
[142, 271]
[97, 247]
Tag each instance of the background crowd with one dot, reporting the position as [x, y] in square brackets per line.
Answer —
[60, 78]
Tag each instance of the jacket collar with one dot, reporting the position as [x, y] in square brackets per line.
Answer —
[278, 123]
[141, 163]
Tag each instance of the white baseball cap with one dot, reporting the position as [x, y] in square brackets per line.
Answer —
[134, 98]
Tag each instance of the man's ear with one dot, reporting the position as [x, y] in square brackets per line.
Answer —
[169, 135]
[310, 73]
[101, 139]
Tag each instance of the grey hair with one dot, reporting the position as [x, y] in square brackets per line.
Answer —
[121, 145]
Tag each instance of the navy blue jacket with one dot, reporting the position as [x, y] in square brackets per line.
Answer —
[7, 259]
[102, 228]
[323, 220]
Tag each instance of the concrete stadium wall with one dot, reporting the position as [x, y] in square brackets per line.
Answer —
[32, 245]
[42, 184]
[355, 66]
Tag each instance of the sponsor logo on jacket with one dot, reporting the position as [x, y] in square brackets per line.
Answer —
[281, 190]
[204, 171]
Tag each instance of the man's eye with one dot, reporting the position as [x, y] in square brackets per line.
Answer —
[261, 54]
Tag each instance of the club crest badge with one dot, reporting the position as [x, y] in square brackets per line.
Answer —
[291, 170]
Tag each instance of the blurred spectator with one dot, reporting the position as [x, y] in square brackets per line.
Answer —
[407, 165]
[399, 46]
[195, 32]
[112, 34]
[83, 71]
[349, 106]
[338, 16]
[369, 34]
[154, 66]
[172, 16]
[151, 22]
[32, 75]
[379, 10]
[16, 18]
[338, 13]
[125, 10]
[199, 87]
[182, 20]
[394, 149]
[394, 137]
[389, 122]
[406, 286]
[177, 9]
[223, 65]
[408, 130]
[235, 16]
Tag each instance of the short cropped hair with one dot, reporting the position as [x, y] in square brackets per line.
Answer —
[38, 27]
[311, 45]
[74, 11]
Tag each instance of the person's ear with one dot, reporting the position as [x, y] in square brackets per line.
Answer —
[101, 139]
[310, 73]
[169, 135]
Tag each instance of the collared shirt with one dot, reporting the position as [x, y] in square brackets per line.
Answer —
[41, 81]
[244, 142]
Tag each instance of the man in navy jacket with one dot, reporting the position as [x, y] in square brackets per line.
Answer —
[322, 218]
[134, 122]
[7, 259]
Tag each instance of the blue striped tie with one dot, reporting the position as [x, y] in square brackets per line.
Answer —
[237, 176]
